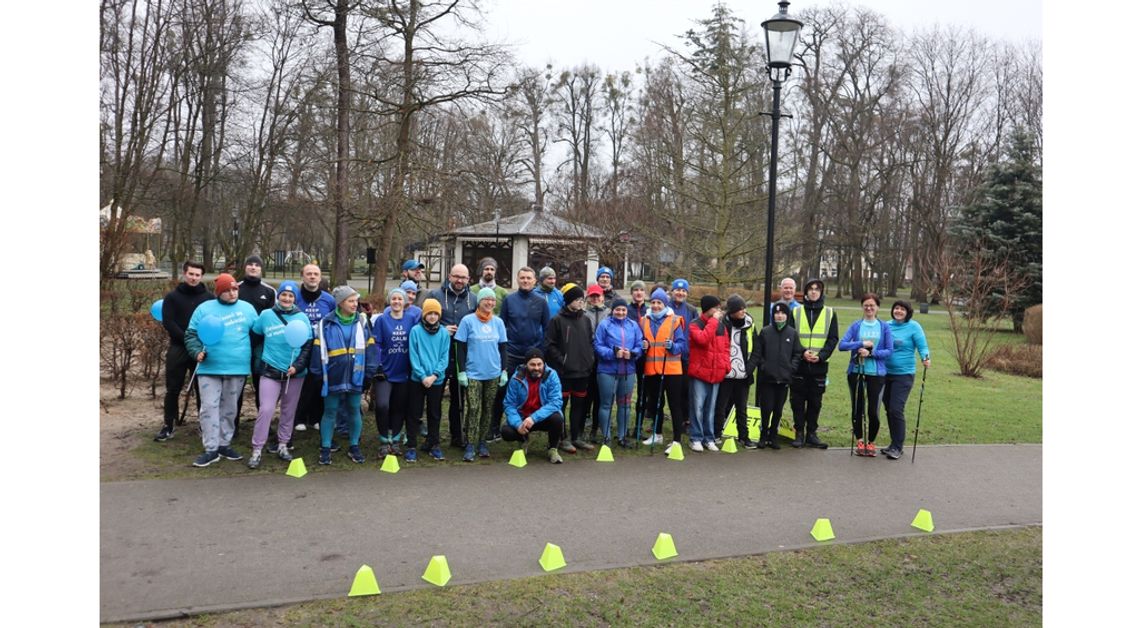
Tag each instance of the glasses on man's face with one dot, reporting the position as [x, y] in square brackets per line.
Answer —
[459, 277]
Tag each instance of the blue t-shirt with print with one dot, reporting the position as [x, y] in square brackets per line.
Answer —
[870, 330]
[482, 346]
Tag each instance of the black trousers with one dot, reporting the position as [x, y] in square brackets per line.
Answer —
[895, 392]
[552, 425]
[673, 388]
[179, 364]
[311, 405]
[733, 395]
[807, 400]
[455, 397]
[772, 398]
[513, 362]
[865, 401]
[418, 396]
[574, 390]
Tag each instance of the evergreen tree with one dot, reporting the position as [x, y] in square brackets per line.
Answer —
[1004, 220]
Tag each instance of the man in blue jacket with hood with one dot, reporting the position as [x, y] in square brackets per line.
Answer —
[534, 403]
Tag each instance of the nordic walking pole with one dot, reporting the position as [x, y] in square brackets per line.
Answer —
[189, 389]
[918, 419]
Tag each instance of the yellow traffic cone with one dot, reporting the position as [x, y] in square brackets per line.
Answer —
[664, 547]
[822, 531]
[437, 571]
[364, 583]
[676, 452]
[730, 429]
[923, 520]
[296, 468]
[518, 459]
[552, 558]
[605, 454]
[729, 446]
[391, 465]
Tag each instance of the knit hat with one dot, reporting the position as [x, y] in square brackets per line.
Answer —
[546, 272]
[225, 281]
[708, 302]
[618, 302]
[595, 289]
[253, 259]
[567, 286]
[782, 307]
[393, 292]
[573, 294]
[637, 285]
[659, 295]
[487, 261]
[604, 270]
[409, 286]
[340, 293]
[735, 303]
[288, 286]
[411, 265]
[535, 353]
[487, 293]
[682, 284]
[431, 305]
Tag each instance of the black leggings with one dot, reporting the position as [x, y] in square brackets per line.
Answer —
[674, 388]
[772, 398]
[574, 390]
[865, 402]
[733, 395]
[417, 395]
[552, 425]
[391, 399]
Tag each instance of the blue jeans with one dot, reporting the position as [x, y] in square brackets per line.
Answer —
[332, 403]
[702, 411]
[610, 386]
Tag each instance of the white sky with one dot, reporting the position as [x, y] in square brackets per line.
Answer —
[616, 34]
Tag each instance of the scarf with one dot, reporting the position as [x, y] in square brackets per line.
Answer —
[357, 359]
[481, 317]
[428, 327]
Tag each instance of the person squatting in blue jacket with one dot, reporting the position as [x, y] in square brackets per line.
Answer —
[870, 342]
[346, 357]
[534, 403]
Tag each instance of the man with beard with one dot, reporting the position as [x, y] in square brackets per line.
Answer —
[534, 404]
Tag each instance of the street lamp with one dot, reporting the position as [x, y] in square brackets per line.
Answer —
[780, 35]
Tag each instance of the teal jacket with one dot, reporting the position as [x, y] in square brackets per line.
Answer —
[908, 338]
[429, 353]
[232, 354]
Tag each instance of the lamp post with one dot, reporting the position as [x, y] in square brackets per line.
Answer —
[780, 35]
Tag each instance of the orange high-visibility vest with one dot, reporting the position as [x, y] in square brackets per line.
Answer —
[657, 359]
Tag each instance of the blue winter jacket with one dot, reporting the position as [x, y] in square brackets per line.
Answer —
[549, 391]
[882, 351]
[526, 315]
[232, 354]
[554, 299]
[611, 334]
[343, 374]
[908, 337]
[429, 353]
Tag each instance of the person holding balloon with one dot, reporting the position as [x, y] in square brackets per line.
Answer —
[218, 337]
[287, 340]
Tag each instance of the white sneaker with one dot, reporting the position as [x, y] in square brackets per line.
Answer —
[712, 447]
[653, 440]
[670, 447]
[696, 445]
[300, 427]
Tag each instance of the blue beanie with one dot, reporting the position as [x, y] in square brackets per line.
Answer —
[680, 283]
[288, 286]
[659, 295]
[604, 270]
[487, 293]
[409, 285]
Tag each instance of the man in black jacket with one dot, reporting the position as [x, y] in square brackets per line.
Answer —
[569, 350]
[819, 333]
[261, 296]
[177, 306]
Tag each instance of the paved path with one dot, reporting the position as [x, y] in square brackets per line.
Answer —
[174, 547]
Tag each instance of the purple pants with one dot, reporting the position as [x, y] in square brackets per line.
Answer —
[269, 391]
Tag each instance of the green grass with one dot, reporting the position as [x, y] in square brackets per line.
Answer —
[991, 578]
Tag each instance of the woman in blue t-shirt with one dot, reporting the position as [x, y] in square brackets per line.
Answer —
[481, 345]
[908, 339]
[390, 392]
[870, 343]
[277, 365]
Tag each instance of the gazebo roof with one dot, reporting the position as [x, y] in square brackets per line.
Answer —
[533, 224]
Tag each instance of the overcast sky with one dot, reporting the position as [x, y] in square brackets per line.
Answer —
[616, 34]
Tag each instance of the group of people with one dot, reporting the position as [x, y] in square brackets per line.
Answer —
[541, 358]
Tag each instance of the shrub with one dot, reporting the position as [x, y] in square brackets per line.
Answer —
[1024, 360]
[121, 341]
[1033, 325]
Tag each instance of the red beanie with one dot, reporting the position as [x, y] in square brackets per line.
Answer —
[224, 282]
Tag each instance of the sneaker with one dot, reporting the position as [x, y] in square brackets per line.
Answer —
[436, 453]
[206, 459]
[567, 447]
[384, 440]
[583, 445]
[813, 441]
[696, 445]
[395, 450]
[624, 444]
[718, 441]
[410, 455]
[761, 444]
[871, 450]
[164, 434]
[300, 427]
[892, 453]
[469, 453]
[283, 452]
[228, 453]
[334, 447]
[254, 459]
[355, 455]
[798, 442]
[747, 443]
[656, 439]
[326, 456]
[671, 446]
[554, 457]
[484, 452]
[772, 444]
[711, 446]
[860, 448]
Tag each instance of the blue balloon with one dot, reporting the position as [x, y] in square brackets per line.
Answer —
[297, 333]
[156, 310]
[210, 329]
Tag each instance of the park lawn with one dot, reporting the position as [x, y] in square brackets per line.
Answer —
[991, 578]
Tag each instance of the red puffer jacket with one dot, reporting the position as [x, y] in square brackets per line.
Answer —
[708, 349]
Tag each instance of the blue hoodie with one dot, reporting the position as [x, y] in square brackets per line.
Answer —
[611, 334]
[232, 354]
[549, 391]
[429, 353]
[554, 299]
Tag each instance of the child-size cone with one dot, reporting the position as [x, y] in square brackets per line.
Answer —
[364, 583]
[518, 459]
[730, 429]
[552, 558]
[923, 521]
[296, 468]
[729, 446]
[664, 547]
[391, 465]
[437, 572]
[675, 453]
[822, 531]
[605, 454]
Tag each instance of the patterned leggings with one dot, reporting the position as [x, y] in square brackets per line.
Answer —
[480, 404]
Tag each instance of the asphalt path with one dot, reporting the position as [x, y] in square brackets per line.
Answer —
[171, 548]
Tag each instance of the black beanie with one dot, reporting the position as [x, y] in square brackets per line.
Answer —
[535, 353]
[573, 294]
[618, 302]
[781, 307]
[735, 304]
[708, 302]
[253, 259]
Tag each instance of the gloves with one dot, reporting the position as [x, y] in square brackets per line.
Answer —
[502, 379]
[669, 344]
[645, 345]
[463, 379]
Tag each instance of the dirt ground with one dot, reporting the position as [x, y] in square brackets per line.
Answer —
[120, 421]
